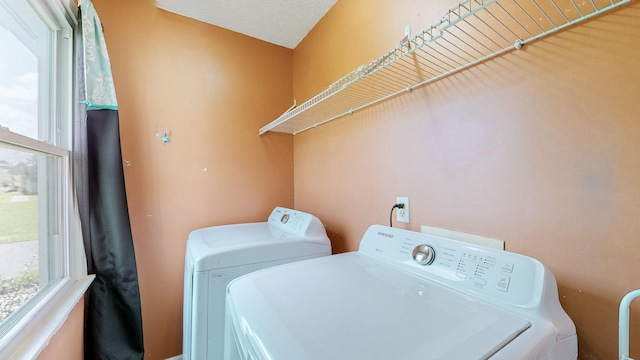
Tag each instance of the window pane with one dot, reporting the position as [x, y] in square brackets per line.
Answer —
[23, 73]
[35, 106]
[29, 226]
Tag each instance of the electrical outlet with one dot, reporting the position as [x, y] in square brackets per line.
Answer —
[402, 215]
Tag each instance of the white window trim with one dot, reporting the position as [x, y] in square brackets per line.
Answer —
[44, 321]
[32, 333]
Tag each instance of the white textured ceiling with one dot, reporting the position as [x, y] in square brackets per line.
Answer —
[281, 22]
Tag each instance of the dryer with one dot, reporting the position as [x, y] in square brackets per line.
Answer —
[216, 255]
[402, 295]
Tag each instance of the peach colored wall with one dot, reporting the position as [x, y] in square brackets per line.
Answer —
[539, 147]
[68, 342]
[212, 89]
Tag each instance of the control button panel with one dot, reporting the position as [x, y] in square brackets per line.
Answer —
[507, 267]
[291, 221]
[496, 274]
[503, 283]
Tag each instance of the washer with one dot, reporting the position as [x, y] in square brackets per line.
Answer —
[218, 254]
[402, 295]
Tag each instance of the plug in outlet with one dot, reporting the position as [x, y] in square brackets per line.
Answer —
[402, 215]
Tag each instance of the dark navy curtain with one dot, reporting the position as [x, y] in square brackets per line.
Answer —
[113, 319]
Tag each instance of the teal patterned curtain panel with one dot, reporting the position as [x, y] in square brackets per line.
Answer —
[100, 92]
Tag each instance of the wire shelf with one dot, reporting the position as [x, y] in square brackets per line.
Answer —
[470, 33]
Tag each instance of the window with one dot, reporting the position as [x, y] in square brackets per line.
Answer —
[39, 245]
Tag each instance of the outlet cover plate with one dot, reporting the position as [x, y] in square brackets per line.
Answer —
[402, 215]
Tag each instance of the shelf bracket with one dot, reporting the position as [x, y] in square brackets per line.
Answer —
[282, 118]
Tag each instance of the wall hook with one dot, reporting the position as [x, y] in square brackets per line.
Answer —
[165, 137]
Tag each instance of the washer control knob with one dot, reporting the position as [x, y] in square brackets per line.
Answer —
[424, 254]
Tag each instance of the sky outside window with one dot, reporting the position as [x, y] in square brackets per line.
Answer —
[18, 90]
[18, 86]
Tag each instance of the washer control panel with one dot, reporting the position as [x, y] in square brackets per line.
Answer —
[295, 222]
[494, 273]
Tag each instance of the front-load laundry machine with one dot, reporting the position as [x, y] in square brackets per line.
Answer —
[216, 255]
[403, 295]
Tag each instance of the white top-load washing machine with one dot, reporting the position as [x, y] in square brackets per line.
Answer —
[403, 295]
[218, 254]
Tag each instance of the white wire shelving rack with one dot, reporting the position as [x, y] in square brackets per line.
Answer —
[470, 33]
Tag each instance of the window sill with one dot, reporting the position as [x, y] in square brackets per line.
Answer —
[28, 341]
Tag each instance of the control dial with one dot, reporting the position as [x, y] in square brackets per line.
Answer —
[424, 254]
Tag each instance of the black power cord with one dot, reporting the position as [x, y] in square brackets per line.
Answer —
[399, 206]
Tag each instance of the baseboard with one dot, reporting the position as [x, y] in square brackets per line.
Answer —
[177, 357]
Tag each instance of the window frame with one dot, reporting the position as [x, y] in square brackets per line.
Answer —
[30, 334]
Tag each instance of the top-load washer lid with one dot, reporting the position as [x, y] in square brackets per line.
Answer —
[350, 306]
[286, 234]
[403, 295]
